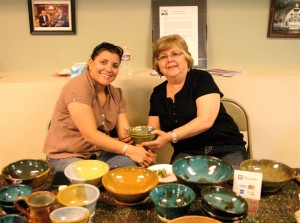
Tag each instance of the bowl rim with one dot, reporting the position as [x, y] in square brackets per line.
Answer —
[46, 172]
[270, 161]
[203, 156]
[59, 194]
[206, 189]
[129, 167]
[135, 134]
[197, 217]
[87, 179]
[86, 211]
[170, 185]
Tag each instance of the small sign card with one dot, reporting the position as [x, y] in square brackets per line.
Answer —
[247, 184]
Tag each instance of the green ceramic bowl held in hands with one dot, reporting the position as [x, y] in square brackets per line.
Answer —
[141, 134]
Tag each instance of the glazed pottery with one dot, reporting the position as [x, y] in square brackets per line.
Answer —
[172, 200]
[37, 206]
[130, 185]
[86, 172]
[31, 172]
[82, 195]
[275, 174]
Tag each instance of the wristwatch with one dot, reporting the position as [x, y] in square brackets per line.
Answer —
[175, 139]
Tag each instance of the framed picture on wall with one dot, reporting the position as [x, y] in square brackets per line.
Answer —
[52, 17]
[284, 20]
[187, 18]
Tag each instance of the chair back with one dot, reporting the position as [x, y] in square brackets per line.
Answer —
[241, 118]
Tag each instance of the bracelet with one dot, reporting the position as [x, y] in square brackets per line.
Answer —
[124, 149]
[175, 139]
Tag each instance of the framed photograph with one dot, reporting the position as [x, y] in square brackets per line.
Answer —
[284, 20]
[52, 17]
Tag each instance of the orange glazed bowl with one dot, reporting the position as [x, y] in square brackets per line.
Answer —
[130, 185]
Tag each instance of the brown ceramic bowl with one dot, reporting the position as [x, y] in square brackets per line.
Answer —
[130, 185]
[31, 172]
[141, 134]
[275, 174]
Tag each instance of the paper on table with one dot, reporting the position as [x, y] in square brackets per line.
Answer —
[224, 72]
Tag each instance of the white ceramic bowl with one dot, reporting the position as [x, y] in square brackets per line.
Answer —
[70, 214]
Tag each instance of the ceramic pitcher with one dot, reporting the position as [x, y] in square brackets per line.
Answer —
[37, 206]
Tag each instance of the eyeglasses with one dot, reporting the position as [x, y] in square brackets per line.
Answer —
[174, 54]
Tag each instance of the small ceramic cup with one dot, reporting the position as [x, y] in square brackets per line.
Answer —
[37, 206]
[71, 214]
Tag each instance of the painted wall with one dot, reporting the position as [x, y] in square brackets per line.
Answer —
[237, 35]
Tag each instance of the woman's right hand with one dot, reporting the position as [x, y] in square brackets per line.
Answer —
[140, 155]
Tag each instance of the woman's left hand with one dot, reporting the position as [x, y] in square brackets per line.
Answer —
[163, 138]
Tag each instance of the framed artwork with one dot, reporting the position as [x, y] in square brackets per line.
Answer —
[187, 18]
[284, 19]
[52, 17]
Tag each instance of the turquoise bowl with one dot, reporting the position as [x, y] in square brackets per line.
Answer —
[12, 218]
[31, 172]
[202, 171]
[12, 192]
[223, 202]
[172, 200]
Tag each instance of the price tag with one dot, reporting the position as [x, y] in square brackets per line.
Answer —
[247, 184]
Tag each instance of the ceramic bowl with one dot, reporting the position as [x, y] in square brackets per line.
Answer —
[130, 185]
[172, 200]
[12, 218]
[223, 201]
[9, 194]
[86, 171]
[202, 171]
[70, 214]
[82, 195]
[275, 174]
[194, 219]
[31, 172]
[141, 134]
[9, 209]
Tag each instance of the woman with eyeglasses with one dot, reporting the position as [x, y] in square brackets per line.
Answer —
[87, 110]
[186, 108]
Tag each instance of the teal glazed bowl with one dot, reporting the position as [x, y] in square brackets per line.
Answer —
[223, 202]
[12, 218]
[141, 134]
[199, 171]
[31, 172]
[172, 200]
[9, 194]
[274, 174]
